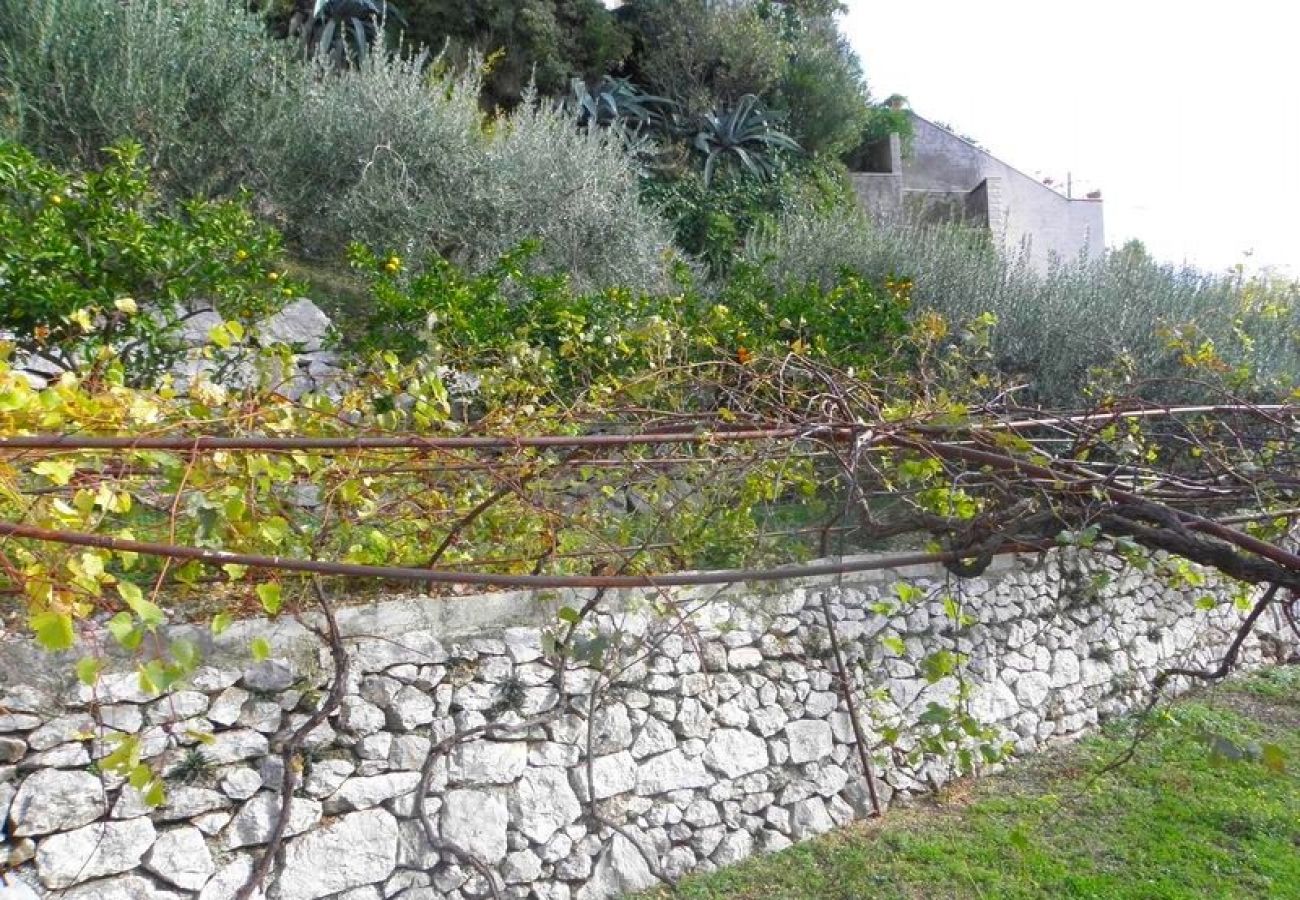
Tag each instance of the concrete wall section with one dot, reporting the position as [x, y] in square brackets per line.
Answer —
[1026, 212]
[941, 161]
[880, 194]
[714, 729]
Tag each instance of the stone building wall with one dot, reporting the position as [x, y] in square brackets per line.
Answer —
[717, 731]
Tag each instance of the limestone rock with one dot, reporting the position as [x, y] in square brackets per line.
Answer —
[671, 771]
[123, 887]
[488, 762]
[241, 783]
[620, 869]
[269, 676]
[475, 821]
[235, 746]
[363, 793]
[809, 740]
[117, 687]
[810, 817]
[62, 729]
[355, 850]
[654, 737]
[523, 645]
[733, 848]
[360, 717]
[409, 709]
[18, 722]
[183, 802]
[178, 706]
[181, 857]
[227, 881]
[229, 704]
[325, 777]
[92, 851]
[409, 751]
[56, 800]
[611, 730]
[610, 775]
[12, 749]
[735, 753]
[542, 803]
[417, 648]
[254, 821]
[1032, 688]
[301, 324]
[523, 867]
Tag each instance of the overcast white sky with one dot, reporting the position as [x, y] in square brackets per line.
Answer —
[1186, 115]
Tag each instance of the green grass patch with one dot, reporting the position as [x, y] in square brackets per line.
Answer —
[1183, 819]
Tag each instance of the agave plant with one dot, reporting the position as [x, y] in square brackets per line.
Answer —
[619, 100]
[343, 30]
[741, 136]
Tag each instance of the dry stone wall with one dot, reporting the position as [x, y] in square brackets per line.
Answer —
[718, 731]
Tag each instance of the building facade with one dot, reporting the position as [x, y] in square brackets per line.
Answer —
[943, 177]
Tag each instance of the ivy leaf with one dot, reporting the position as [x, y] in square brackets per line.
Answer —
[894, 644]
[152, 677]
[938, 665]
[151, 616]
[951, 609]
[569, 614]
[58, 471]
[53, 630]
[260, 649]
[157, 794]
[186, 654]
[88, 669]
[269, 594]
[274, 530]
[123, 629]
[908, 593]
[220, 622]
[935, 715]
[126, 756]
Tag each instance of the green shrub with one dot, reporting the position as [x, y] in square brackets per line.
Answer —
[547, 332]
[1055, 327]
[399, 157]
[822, 94]
[184, 79]
[93, 267]
[706, 53]
[393, 153]
[538, 42]
[714, 221]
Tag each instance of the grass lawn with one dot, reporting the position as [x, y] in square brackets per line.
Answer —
[1182, 819]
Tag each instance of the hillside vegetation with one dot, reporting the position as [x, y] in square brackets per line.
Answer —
[666, 147]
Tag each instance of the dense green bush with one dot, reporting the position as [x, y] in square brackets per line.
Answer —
[706, 55]
[391, 153]
[186, 80]
[538, 42]
[822, 94]
[399, 157]
[95, 267]
[1056, 326]
[714, 221]
[507, 322]
[702, 53]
